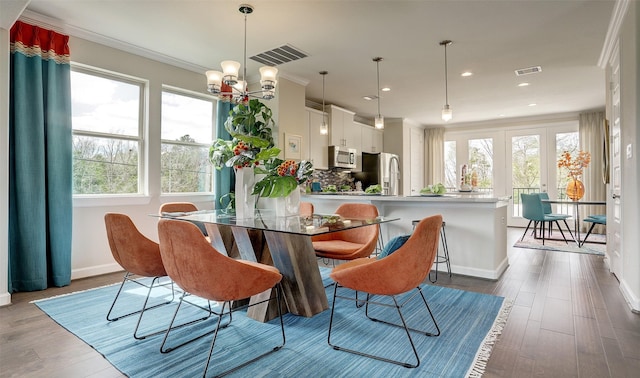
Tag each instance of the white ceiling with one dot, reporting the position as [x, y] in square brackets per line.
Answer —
[491, 38]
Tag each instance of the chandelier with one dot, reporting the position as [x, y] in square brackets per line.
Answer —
[226, 84]
[447, 113]
[379, 120]
[324, 127]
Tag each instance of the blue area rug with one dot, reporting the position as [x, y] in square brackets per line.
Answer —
[470, 324]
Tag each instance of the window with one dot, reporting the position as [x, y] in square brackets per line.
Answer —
[187, 132]
[107, 132]
[481, 161]
[450, 170]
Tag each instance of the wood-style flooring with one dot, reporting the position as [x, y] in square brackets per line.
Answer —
[569, 319]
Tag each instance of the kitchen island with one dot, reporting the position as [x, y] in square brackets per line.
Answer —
[476, 225]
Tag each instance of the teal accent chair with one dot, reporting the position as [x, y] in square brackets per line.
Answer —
[593, 219]
[533, 210]
[546, 207]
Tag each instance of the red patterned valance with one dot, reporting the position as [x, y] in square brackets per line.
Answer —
[32, 40]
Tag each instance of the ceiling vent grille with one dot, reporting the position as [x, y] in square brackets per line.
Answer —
[279, 55]
[528, 71]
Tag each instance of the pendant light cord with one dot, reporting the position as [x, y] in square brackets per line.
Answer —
[378, 74]
[446, 75]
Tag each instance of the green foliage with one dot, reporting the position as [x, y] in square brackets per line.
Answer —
[282, 177]
[250, 126]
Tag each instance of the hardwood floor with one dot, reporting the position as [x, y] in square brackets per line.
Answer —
[568, 320]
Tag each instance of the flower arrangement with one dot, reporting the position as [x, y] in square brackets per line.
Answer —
[250, 126]
[282, 177]
[575, 165]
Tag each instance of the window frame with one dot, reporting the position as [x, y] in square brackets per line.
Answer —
[140, 197]
[214, 105]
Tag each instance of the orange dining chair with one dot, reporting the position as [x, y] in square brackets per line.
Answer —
[306, 209]
[139, 257]
[349, 244]
[182, 207]
[177, 207]
[200, 270]
[397, 273]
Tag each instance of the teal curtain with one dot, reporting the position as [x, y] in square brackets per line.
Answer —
[224, 178]
[40, 159]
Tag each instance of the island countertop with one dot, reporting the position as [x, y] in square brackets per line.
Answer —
[462, 197]
[475, 224]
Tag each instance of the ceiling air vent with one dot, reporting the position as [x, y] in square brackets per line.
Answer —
[279, 55]
[527, 71]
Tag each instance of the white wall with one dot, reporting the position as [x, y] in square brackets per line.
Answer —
[630, 123]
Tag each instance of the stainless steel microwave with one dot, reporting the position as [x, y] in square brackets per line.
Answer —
[342, 157]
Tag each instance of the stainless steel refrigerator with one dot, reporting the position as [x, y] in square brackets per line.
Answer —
[380, 168]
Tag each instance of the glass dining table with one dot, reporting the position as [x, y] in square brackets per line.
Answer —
[288, 247]
[576, 218]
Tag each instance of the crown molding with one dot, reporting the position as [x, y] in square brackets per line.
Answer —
[617, 17]
[60, 27]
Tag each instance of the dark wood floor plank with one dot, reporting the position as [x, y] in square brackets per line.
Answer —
[592, 361]
[555, 355]
[557, 316]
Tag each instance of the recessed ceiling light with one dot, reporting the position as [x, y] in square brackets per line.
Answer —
[523, 84]
[533, 104]
[369, 98]
[501, 115]
[466, 74]
[385, 89]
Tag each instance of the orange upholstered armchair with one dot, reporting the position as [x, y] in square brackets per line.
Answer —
[138, 256]
[199, 269]
[349, 244]
[403, 270]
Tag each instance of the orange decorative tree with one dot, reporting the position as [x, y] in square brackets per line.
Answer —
[574, 167]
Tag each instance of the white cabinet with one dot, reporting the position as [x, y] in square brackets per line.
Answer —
[371, 139]
[318, 143]
[343, 132]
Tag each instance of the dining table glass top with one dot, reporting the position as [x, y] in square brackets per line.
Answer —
[266, 220]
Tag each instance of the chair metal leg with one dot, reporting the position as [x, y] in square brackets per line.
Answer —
[407, 330]
[442, 258]
[128, 278]
[562, 233]
[580, 244]
[173, 319]
[215, 336]
[525, 231]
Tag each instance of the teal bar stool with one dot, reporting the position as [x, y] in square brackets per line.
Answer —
[440, 258]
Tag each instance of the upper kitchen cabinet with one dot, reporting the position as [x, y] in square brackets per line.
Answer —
[318, 143]
[371, 139]
[343, 131]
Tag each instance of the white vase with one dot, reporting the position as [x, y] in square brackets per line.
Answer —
[245, 201]
[282, 206]
[289, 205]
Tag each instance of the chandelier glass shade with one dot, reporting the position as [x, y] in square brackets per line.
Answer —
[447, 112]
[226, 84]
[379, 119]
[324, 127]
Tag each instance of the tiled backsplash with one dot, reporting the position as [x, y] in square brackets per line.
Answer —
[337, 178]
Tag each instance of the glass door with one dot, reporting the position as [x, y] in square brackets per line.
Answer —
[532, 156]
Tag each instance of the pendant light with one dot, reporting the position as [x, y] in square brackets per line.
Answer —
[226, 84]
[379, 120]
[447, 113]
[324, 128]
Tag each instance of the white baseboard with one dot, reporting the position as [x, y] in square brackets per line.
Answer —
[5, 299]
[481, 273]
[95, 271]
[632, 300]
